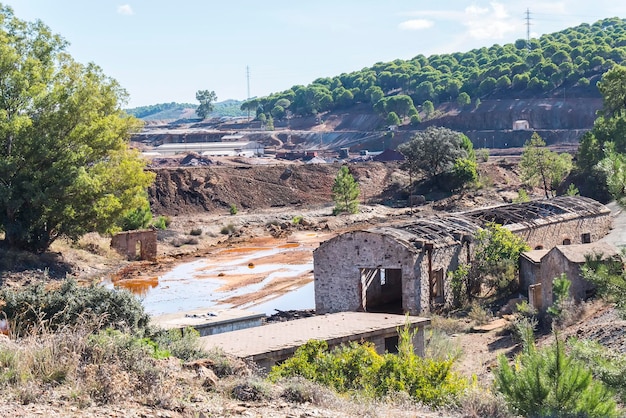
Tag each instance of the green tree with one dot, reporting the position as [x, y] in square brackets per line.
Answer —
[464, 100]
[345, 192]
[549, 383]
[613, 90]
[609, 277]
[433, 152]
[487, 85]
[540, 166]
[494, 263]
[428, 108]
[206, 99]
[393, 119]
[400, 104]
[278, 112]
[65, 166]
[614, 168]
[374, 94]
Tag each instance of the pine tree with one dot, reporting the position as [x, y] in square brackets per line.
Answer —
[549, 383]
[345, 192]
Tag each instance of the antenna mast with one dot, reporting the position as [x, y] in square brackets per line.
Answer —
[248, 82]
[528, 29]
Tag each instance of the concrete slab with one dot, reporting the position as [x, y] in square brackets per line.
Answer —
[210, 322]
[271, 343]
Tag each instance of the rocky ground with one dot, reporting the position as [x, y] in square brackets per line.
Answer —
[91, 259]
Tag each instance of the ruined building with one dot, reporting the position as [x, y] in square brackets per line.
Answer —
[136, 245]
[404, 268]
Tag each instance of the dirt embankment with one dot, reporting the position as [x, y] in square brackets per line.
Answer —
[179, 191]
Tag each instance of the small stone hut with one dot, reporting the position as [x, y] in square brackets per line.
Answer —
[404, 268]
[138, 244]
[540, 267]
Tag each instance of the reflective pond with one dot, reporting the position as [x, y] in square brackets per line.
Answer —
[260, 278]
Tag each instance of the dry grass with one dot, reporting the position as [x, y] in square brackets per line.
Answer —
[95, 243]
[88, 371]
[449, 325]
[483, 403]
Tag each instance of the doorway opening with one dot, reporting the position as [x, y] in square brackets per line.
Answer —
[381, 290]
[138, 254]
[437, 296]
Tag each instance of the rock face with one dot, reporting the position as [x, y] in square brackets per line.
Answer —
[213, 189]
[543, 114]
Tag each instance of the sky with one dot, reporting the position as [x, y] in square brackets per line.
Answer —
[165, 51]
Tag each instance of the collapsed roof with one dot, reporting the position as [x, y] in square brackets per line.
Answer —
[453, 227]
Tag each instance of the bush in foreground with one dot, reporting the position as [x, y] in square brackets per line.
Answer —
[35, 307]
[549, 383]
[358, 368]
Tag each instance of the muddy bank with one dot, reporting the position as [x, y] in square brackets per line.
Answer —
[179, 191]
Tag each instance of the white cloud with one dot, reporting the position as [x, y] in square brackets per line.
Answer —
[125, 10]
[485, 21]
[475, 10]
[492, 22]
[416, 24]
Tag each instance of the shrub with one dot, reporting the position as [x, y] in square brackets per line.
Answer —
[477, 402]
[251, 390]
[572, 190]
[606, 365]
[525, 309]
[233, 209]
[483, 154]
[118, 365]
[228, 229]
[439, 346]
[479, 314]
[179, 242]
[564, 310]
[34, 306]
[548, 383]
[183, 344]
[464, 171]
[196, 232]
[357, 367]
[138, 218]
[522, 196]
[299, 390]
[297, 220]
[162, 222]
[448, 325]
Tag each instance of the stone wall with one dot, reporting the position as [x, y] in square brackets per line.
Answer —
[338, 263]
[127, 243]
[547, 234]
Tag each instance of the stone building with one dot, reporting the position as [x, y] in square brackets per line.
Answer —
[138, 244]
[404, 268]
[539, 268]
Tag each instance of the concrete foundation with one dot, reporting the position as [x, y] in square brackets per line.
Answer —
[273, 343]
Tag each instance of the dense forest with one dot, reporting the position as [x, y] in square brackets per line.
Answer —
[571, 59]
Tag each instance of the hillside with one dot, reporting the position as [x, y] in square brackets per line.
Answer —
[549, 82]
[165, 112]
[562, 64]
